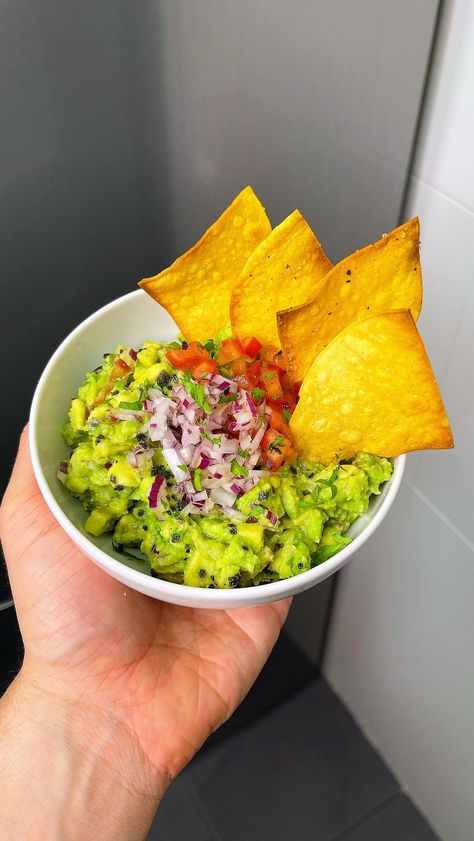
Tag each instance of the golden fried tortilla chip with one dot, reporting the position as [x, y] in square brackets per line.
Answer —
[370, 390]
[196, 288]
[285, 270]
[385, 275]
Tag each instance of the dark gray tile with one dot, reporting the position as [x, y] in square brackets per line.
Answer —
[286, 671]
[11, 647]
[398, 820]
[182, 816]
[304, 770]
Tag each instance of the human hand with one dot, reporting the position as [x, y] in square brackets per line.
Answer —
[148, 680]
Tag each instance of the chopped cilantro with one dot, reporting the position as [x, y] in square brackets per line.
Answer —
[270, 375]
[197, 392]
[137, 404]
[217, 440]
[286, 416]
[197, 479]
[257, 393]
[277, 442]
[228, 398]
[237, 469]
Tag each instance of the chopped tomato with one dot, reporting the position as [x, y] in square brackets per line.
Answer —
[276, 448]
[202, 369]
[185, 359]
[230, 349]
[255, 368]
[278, 422]
[119, 369]
[251, 346]
[270, 381]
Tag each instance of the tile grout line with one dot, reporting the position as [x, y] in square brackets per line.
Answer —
[443, 195]
[362, 820]
[442, 516]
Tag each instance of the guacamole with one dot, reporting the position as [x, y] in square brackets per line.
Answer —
[185, 458]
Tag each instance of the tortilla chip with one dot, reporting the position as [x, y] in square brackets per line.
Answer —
[284, 271]
[196, 288]
[385, 275]
[371, 390]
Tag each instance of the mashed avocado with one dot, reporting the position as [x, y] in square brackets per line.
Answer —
[288, 522]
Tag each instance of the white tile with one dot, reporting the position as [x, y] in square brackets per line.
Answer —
[447, 328]
[400, 654]
[447, 257]
[444, 157]
[447, 478]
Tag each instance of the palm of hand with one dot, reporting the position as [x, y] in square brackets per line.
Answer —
[171, 675]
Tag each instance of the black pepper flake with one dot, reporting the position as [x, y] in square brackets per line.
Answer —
[347, 281]
[300, 565]
[234, 580]
[348, 272]
[154, 471]
[187, 548]
[277, 547]
[293, 470]
[184, 345]
[140, 512]
[163, 380]
[113, 479]
[368, 308]
[119, 488]
[142, 439]
[245, 548]
[175, 538]
[99, 438]
[310, 475]
[232, 528]
[262, 495]
[145, 528]
[330, 313]
[202, 573]
[115, 391]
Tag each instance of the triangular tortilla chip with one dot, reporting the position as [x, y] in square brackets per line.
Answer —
[196, 288]
[371, 390]
[285, 270]
[385, 275]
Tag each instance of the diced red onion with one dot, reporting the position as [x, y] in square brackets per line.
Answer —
[132, 459]
[233, 513]
[133, 354]
[251, 404]
[222, 497]
[271, 517]
[156, 491]
[173, 460]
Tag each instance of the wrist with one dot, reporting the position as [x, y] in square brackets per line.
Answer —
[79, 768]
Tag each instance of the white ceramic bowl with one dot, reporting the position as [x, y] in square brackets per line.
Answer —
[130, 320]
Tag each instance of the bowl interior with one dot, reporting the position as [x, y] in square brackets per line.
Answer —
[130, 320]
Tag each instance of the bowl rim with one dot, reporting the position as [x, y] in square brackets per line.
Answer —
[134, 578]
